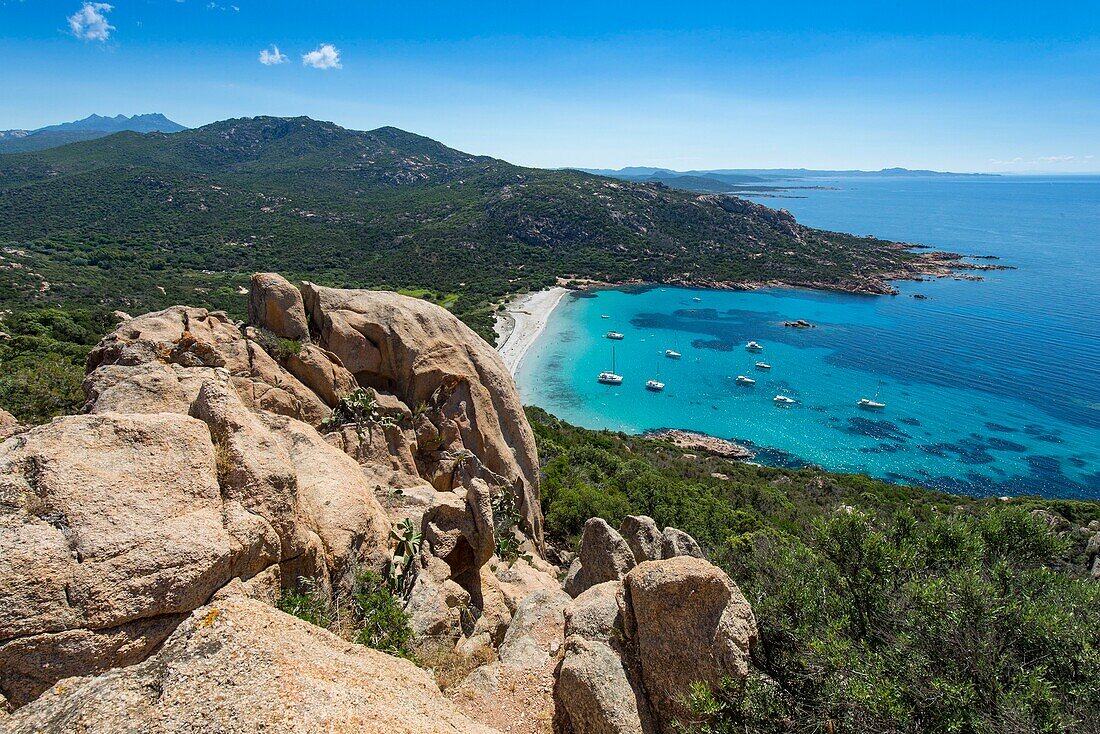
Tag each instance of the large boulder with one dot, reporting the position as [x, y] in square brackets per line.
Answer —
[115, 526]
[239, 666]
[9, 426]
[425, 356]
[604, 556]
[157, 363]
[109, 526]
[643, 536]
[276, 305]
[593, 693]
[690, 623]
[676, 542]
[633, 648]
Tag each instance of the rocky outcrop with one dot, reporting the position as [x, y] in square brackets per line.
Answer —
[634, 647]
[466, 400]
[690, 623]
[515, 692]
[604, 556]
[146, 541]
[239, 666]
[9, 426]
[116, 525]
[276, 305]
[607, 555]
[210, 463]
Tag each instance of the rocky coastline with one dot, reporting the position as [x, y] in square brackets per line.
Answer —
[695, 441]
[922, 266]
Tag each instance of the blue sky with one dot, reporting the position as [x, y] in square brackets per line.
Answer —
[989, 87]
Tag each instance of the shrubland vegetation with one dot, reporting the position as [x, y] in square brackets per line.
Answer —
[880, 608]
[143, 222]
[369, 614]
[42, 356]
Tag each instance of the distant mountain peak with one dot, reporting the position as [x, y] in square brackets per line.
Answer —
[147, 123]
[91, 127]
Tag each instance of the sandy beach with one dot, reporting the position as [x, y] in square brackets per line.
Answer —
[522, 322]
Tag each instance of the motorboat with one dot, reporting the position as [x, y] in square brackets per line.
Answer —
[754, 347]
[763, 366]
[616, 335]
[604, 316]
[783, 400]
[697, 299]
[742, 380]
[672, 354]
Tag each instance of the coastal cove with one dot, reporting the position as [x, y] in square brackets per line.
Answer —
[992, 388]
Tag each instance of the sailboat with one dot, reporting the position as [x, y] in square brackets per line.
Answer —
[655, 385]
[609, 377]
[868, 404]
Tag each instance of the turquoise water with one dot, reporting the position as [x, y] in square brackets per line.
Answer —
[991, 387]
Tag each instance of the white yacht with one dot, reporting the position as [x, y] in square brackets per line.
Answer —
[753, 347]
[604, 316]
[763, 366]
[742, 380]
[783, 400]
[697, 299]
[868, 404]
[616, 335]
[672, 354]
[655, 385]
[609, 377]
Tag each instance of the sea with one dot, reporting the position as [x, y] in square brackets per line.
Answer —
[991, 388]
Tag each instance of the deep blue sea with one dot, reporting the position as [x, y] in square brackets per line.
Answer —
[991, 388]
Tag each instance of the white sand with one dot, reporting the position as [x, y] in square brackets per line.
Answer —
[522, 322]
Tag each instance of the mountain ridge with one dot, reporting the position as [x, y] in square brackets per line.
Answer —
[91, 127]
[162, 216]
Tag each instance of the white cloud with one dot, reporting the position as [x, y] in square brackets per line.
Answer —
[90, 22]
[325, 56]
[273, 56]
[1056, 158]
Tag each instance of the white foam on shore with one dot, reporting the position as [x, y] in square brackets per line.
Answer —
[522, 322]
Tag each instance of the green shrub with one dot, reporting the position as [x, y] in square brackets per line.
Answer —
[381, 622]
[369, 614]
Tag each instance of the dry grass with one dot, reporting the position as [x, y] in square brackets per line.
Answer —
[451, 666]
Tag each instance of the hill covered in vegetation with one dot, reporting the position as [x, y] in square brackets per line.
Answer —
[880, 608]
[139, 222]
